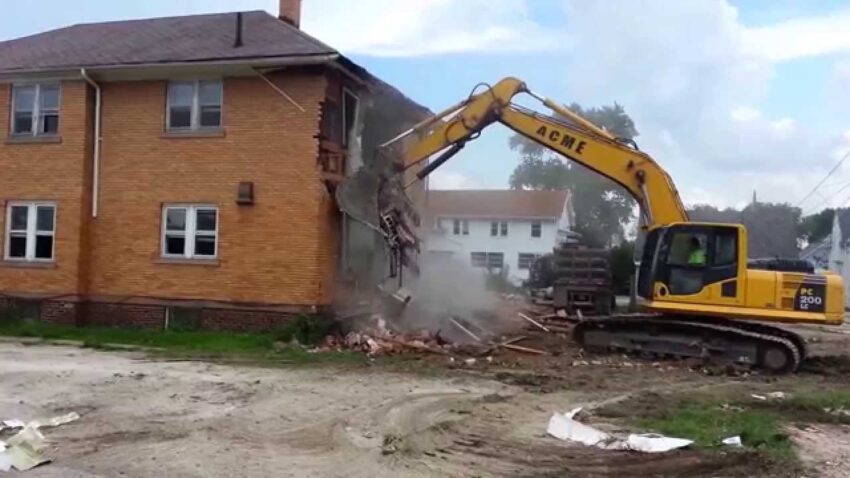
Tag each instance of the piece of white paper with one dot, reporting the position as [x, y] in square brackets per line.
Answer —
[5, 461]
[733, 441]
[654, 443]
[54, 421]
[564, 427]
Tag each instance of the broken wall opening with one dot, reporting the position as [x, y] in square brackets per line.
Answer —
[383, 112]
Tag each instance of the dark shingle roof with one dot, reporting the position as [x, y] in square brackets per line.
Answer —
[193, 38]
[509, 203]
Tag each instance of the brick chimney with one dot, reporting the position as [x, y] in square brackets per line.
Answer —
[290, 12]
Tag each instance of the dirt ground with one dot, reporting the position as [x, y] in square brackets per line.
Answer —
[148, 417]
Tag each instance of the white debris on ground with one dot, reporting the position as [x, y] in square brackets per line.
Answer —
[733, 441]
[564, 426]
[770, 396]
[21, 450]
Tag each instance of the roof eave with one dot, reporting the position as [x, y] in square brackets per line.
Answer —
[253, 62]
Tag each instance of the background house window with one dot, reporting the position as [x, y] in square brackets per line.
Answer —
[36, 109]
[460, 227]
[525, 259]
[536, 228]
[489, 260]
[194, 105]
[30, 229]
[478, 259]
[499, 228]
[190, 232]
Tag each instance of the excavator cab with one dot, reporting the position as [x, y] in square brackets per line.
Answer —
[694, 263]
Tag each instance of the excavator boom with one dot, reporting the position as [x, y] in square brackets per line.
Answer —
[566, 133]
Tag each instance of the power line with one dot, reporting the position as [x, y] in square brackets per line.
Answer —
[828, 200]
[830, 173]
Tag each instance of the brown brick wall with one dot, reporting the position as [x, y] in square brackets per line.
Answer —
[275, 251]
[283, 250]
[236, 320]
[50, 172]
[60, 312]
[123, 315]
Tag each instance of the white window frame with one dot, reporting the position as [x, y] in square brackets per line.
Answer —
[345, 126]
[195, 109]
[491, 255]
[32, 231]
[539, 225]
[189, 232]
[36, 109]
[472, 261]
[501, 228]
[519, 264]
[487, 259]
[462, 227]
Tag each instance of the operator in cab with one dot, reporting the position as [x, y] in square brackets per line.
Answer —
[696, 256]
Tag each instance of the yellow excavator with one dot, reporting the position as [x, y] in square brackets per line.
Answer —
[698, 296]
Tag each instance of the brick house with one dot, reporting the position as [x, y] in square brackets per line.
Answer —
[177, 165]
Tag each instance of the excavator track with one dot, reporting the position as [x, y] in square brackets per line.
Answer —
[760, 346]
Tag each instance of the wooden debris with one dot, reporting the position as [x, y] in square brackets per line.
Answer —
[416, 346]
[533, 322]
[494, 347]
[464, 329]
[527, 350]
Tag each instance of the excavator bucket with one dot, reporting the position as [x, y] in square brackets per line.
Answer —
[375, 196]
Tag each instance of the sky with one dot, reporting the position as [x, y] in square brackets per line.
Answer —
[732, 97]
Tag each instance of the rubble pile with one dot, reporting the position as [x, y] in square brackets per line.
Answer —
[377, 342]
[375, 338]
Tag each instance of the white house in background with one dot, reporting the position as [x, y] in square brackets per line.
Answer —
[497, 229]
[839, 250]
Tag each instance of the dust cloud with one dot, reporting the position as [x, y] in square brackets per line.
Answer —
[447, 288]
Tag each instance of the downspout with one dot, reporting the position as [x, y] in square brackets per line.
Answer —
[95, 187]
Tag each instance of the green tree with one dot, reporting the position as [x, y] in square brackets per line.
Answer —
[602, 207]
[815, 227]
[773, 229]
[621, 259]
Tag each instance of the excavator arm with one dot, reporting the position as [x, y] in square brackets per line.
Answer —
[566, 133]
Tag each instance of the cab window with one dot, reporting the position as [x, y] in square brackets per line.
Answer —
[725, 247]
[687, 249]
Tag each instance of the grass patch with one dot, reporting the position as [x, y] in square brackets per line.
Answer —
[708, 425]
[306, 329]
[830, 406]
[708, 419]
[261, 346]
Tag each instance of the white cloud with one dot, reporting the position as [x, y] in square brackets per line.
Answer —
[783, 125]
[800, 37]
[695, 87]
[745, 113]
[432, 27]
[443, 179]
[426, 27]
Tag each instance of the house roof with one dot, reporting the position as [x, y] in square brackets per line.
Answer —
[507, 204]
[818, 250]
[193, 38]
